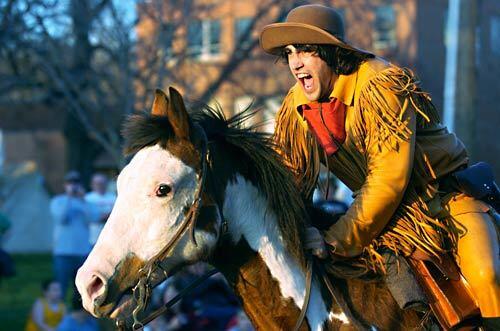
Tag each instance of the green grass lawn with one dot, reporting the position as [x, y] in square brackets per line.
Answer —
[18, 293]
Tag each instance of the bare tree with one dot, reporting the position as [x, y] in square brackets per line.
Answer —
[85, 58]
[78, 56]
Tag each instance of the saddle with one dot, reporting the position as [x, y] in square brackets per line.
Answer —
[449, 295]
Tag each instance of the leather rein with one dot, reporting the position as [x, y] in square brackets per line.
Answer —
[142, 290]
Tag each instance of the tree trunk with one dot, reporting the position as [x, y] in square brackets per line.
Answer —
[465, 114]
[81, 150]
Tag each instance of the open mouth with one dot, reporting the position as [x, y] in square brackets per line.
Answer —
[306, 80]
[124, 307]
[113, 308]
[126, 302]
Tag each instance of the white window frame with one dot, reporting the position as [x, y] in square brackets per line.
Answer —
[238, 33]
[206, 42]
[382, 44]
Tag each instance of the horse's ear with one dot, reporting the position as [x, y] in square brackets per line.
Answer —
[177, 114]
[160, 104]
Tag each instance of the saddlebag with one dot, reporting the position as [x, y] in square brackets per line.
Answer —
[449, 295]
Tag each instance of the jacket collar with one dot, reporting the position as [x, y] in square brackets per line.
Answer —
[343, 90]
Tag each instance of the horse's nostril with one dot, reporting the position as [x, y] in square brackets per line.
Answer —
[95, 288]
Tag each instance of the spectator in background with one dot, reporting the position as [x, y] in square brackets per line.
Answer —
[4, 226]
[79, 319]
[174, 319]
[72, 216]
[6, 262]
[103, 202]
[48, 310]
[240, 322]
[211, 305]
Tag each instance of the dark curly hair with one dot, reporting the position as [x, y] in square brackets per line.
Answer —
[343, 61]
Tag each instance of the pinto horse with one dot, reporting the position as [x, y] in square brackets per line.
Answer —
[203, 188]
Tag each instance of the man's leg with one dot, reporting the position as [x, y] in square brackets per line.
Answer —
[479, 260]
[75, 263]
[62, 271]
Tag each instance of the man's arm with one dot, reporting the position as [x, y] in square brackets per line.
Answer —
[389, 167]
[59, 208]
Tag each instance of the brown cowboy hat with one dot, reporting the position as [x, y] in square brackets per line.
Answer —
[309, 24]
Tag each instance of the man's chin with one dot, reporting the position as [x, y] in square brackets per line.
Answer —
[310, 94]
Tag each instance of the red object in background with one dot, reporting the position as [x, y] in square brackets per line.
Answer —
[327, 122]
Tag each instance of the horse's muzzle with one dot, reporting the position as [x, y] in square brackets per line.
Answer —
[93, 290]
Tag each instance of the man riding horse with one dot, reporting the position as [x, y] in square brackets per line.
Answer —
[369, 122]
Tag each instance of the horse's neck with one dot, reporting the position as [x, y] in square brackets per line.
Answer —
[268, 279]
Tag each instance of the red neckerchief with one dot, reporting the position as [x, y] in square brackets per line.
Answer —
[327, 122]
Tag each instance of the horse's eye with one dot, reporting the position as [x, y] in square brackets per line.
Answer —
[163, 190]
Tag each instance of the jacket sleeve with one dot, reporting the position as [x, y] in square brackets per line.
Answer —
[389, 125]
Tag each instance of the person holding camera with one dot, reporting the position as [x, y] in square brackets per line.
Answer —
[72, 216]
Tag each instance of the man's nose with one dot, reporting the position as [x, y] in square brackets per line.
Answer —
[295, 61]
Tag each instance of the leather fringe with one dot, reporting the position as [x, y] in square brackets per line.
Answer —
[413, 224]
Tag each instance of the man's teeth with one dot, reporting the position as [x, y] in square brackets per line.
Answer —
[300, 76]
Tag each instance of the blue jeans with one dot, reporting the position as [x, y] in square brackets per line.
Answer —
[65, 268]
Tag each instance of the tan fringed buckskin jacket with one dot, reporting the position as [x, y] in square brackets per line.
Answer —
[394, 152]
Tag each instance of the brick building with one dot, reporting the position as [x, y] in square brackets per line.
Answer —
[202, 37]
[193, 45]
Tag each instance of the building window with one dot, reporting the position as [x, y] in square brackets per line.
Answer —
[271, 107]
[166, 38]
[384, 34]
[242, 102]
[241, 28]
[204, 38]
[495, 34]
[268, 107]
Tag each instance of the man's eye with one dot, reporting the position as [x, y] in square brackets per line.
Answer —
[163, 190]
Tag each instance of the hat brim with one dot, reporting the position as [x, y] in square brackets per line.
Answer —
[278, 35]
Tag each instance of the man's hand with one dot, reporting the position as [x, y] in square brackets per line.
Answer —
[315, 243]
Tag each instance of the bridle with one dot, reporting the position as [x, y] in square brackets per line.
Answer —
[142, 290]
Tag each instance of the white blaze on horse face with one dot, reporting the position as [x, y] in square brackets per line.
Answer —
[141, 222]
[251, 218]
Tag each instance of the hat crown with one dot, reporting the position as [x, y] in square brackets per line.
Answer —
[323, 17]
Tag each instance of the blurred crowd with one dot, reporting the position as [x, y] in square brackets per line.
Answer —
[210, 307]
[79, 217]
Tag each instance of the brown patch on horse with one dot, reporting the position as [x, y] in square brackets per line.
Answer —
[251, 280]
[124, 279]
[368, 299]
[142, 130]
[262, 299]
